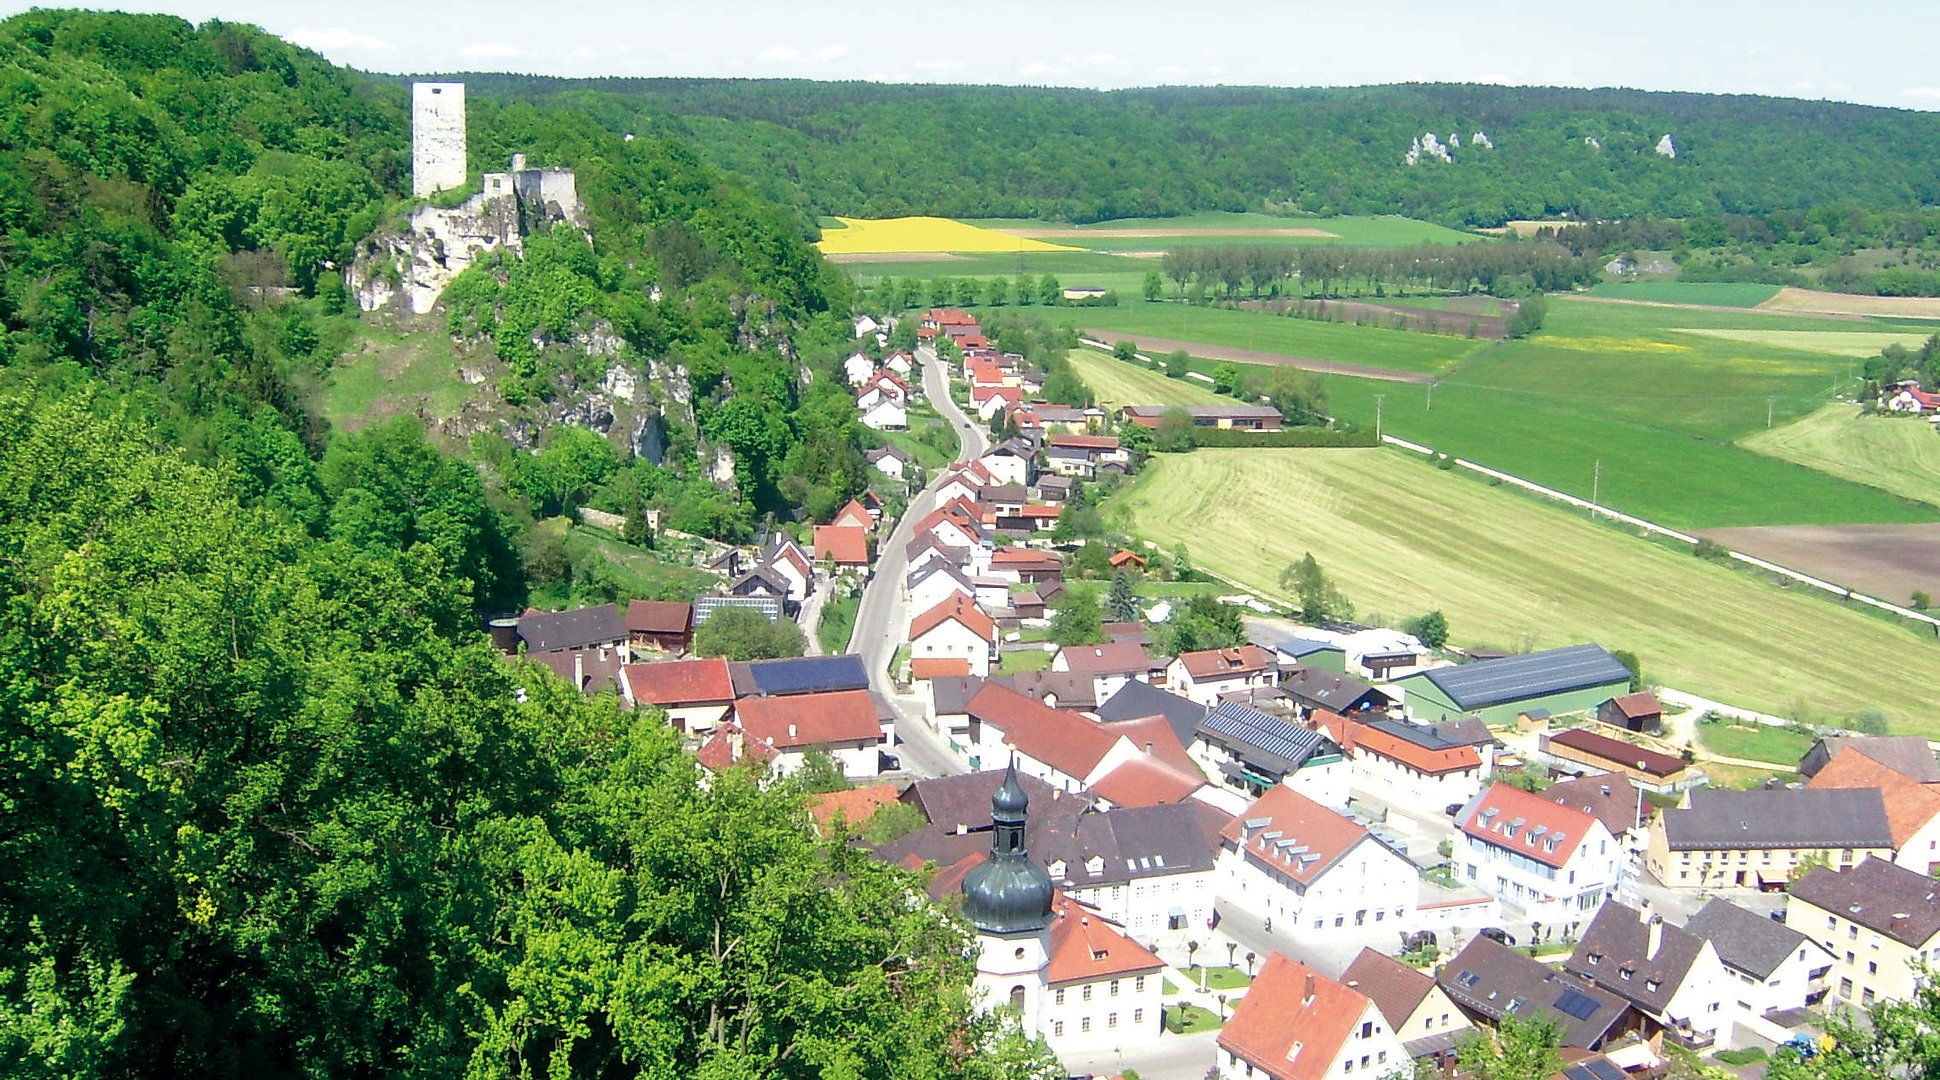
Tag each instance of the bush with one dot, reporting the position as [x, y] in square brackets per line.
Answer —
[1712, 550]
[1740, 1057]
[1288, 437]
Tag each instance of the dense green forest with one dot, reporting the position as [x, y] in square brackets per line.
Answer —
[274, 807]
[876, 150]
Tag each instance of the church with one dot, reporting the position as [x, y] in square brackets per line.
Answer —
[1071, 975]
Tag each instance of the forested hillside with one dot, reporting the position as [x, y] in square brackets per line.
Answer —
[873, 150]
[273, 806]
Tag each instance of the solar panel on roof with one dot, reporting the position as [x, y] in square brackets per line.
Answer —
[1576, 1003]
[1515, 678]
[808, 674]
[1268, 733]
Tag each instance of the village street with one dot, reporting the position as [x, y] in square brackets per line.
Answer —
[882, 619]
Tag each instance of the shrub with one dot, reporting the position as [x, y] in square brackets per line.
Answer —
[1744, 1056]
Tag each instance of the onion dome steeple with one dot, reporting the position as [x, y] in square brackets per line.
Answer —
[1009, 893]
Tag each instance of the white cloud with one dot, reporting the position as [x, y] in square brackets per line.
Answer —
[780, 54]
[1098, 58]
[1172, 71]
[487, 50]
[1922, 93]
[1036, 70]
[336, 37]
[585, 52]
[832, 52]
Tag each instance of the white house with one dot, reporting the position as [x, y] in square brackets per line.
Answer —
[1297, 1024]
[1664, 972]
[1555, 863]
[900, 363]
[960, 484]
[949, 530]
[1404, 764]
[1150, 869]
[1430, 1026]
[886, 414]
[1008, 464]
[1772, 966]
[933, 583]
[857, 368]
[1110, 665]
[1203, 676]
[888, 461]
[842, 724]
[864, 326]
[789, 565]
[1289, 860]
[1063, 749]
[955, 629]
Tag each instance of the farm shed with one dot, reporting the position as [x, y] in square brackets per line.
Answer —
[1575, 678]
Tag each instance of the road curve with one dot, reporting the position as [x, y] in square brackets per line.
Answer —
[1256, 356]
[881, 619]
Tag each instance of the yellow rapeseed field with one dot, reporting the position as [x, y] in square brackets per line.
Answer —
[891, 236]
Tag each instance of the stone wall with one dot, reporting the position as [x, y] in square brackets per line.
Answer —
[437, 137]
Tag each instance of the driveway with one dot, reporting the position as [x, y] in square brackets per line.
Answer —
[882, 618]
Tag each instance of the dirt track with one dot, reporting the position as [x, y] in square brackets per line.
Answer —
[1255, 356]
[1891, 562]
[1145, 234]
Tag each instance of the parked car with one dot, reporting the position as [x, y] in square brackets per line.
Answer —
[1499, 935]
[1452, 809]
[1805, 1046]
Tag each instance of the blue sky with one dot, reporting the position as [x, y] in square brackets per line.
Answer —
[1871, 52]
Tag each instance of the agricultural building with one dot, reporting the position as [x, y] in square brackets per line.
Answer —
[1571, 679]
[1761, 839]
[1235, 417]
[1580, 748]
[1640, 711]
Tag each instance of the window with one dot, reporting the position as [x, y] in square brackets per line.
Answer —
[1059, 997]
[1138, 1016]
[1138, 984]
[1367, 1030]
[1114, 988]
[1084, 1024]
[1866, 998]
[1017, 997]
[1831, 922]
[1086, 992]
[1340, 920]
[1057, 1028]
[1111, 1020]
[1872, 968]
[1347, 1066]
[1845, 988]
[1382, 1057]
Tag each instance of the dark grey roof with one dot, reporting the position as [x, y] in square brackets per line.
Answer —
[1004, 493]
[706, 606]
[550, 631]
[1071, 689]
[1466, 731]
[1009, 892]
[952, 693]
[1779, 818]
[1136, 699]
[1142, 842]
[799, 675]
[1612, 797]
[1262, 739]
[1908, 755]
[1067, 453]
[1614, 953]
[1267, 636]
[1746, 940]
[1518, 678]
[923, 572]
[1902, 904]
[1425, 737]
[760, 577]
[1493, 981]
[1330, 690]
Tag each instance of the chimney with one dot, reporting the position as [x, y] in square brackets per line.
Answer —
[1148, 749]
[1309, 995]
[1656, 941]
[735, 744]
[791, 731]
[579, 670]
[1606, 790]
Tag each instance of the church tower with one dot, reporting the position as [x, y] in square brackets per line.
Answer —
[1008, 900]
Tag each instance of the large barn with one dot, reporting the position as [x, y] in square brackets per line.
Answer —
[1575, 678]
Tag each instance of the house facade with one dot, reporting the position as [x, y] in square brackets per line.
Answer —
[1771, 965]
[842, 724]
[1879, 921]
[1668, 974]
[1287, 859]
[956, 628]
[1204, 676]
[1556, 863]
[1764, 839]
[1297, 1024]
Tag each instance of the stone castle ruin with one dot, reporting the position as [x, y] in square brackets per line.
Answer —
[409, 270]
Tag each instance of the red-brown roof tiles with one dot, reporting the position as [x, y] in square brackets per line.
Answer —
[679, 682]
[1224, 663]
[659, 616]
[1291, 1005]
[959, 609]
[1086, 947]
[847, 544]
[801, 721]
[1494, 818]
[1307, 837]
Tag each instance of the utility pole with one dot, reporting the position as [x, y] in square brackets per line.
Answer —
[1771, 403]
[1596, 484]
[1379, 399]
[1431, 394]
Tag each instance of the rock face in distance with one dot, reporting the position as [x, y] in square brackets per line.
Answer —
[1666, 147]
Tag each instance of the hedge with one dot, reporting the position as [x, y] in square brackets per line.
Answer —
[1286, 437]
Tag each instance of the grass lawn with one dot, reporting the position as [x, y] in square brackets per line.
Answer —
[1657, 407]
[1899, 454]
[1402, 538]
[1116, 382]
[1189, 1019]
[385, 372]
[1718, 294]
[1395, 350]
[838, 622]
[911, 442]
[637, 573]
[1016, 663]
[1219, 978]
[1755, 742]
[1741, 778]
[1851, 343]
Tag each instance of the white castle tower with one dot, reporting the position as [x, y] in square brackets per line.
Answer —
[437, 137]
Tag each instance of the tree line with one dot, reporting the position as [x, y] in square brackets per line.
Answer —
[1499, 269]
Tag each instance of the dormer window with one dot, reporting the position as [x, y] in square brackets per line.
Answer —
[1653, 985]
[1095, 865]
[1056, 868]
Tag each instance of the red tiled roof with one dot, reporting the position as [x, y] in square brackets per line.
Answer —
[1224, 663]
[1154, 734]
[938, 667]
[1311, 838]
[855, 805]
[1616, 750]
[718, 752]
[944, 518]
[679, 682]
[1541, 819]
[1086, 442]
[1111, 658]
[958, 608]
[848, 544]
[1289, 1005]
[950, 317]
[1085, 946]
[1910, 805]
[1063, 740]
[804, 720]
[1146, 782]
[1395, 988]
[1124, 557]
[1042, 512]
[1355, 736]
[1026, 558]
[659, 616]
[1641, 703]
[854, 513]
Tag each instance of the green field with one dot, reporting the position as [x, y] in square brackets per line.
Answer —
[1755, 742]
[1713, 294]
[1116, 382]
[1395, 350]
[1851, 343]
[1403, 538]
[1630, 391]
[1898, 453]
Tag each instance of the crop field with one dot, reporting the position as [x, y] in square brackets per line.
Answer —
[1402, 538]
[1219, 228]
[1899, 454]
[1807, 300]
[916, 234]
[1116, 382]
[1708, 294]
[1892, 562]
[1370, 346]
[1612, 400]
[1855, 343]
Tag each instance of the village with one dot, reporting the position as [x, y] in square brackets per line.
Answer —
[1309, 850]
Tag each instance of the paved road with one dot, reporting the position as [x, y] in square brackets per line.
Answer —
[882, 620]
[1172, 1057]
